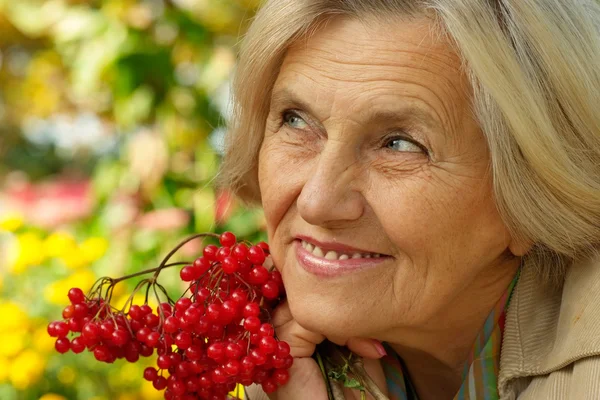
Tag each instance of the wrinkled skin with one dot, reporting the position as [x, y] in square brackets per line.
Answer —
[412, 183]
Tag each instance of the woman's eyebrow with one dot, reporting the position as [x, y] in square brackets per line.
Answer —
[289, 98]
[400, 112]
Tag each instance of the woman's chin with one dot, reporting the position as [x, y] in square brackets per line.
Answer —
[326, 316]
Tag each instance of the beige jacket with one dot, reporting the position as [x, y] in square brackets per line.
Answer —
[551, 348]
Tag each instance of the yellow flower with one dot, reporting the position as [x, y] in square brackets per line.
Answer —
[239, 392]
[127, 396]
[30, 252]
[56, 292]
[74, 259]
[53, 294]
[13, 317]
[52, 396]
[26, 369]
[4, 368]
[66, 375]
[11, 221]
[11, 343]
[148, 392]
[129, 374]
[59, 244]
[93, 248]
[42, 342]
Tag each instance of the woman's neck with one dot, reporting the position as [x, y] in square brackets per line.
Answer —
[435, 358]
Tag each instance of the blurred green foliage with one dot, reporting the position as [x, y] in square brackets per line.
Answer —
[111, 119]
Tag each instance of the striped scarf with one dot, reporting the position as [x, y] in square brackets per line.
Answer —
[481, 369]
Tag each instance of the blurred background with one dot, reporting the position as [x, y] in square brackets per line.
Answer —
[111, 124]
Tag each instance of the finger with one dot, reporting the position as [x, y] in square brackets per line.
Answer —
[368, 348]
[302, 342]
[281, 314]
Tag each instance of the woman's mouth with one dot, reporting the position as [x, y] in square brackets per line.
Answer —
[328, 263]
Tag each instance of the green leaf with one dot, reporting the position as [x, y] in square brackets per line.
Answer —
[353, 384]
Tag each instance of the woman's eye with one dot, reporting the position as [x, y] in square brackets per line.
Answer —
[293, 120]
[404, 145]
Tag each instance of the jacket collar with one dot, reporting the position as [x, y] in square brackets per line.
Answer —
[549, 327]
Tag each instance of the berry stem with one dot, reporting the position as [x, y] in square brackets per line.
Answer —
[189, 239]
[147, 271]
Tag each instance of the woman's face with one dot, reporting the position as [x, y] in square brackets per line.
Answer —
[371, 153]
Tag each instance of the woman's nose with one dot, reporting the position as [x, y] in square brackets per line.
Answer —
[329, 194]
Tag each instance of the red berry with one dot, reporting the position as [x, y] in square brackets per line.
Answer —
[150, 374]
[135, 312]
[160, 383]
[183, 340]
[152, 339]
[268, 344]
[258, 357]
[145, 309]
[210, 252]
[171, 324]
[228, 312]
[252, 324]
[264, 246]
[68, 311]
[283, 349]
[258, 275]
[177, 387]
[251, 309]
[61, 329]
[222, 253]
[192, 315]
[239, 296]
[182, 304]
[233, 351]
[269, 385]
[189, 273]
[216, 351]
[240, 251]
[102, 353]
[152, 320]
[266, 329]
[227, 239]
[218, 375]
[202, 264]
[120, 337]
[75, 325]
[52, 329]
[106, 329]
[256, 255]
[76, 296]
[193, 352]
[213, 311]
[233, 367]
[247, 364]
[230, 265]
[270, 290]
[163, 361]
[90, 333]
[77, 345]
[62, 345]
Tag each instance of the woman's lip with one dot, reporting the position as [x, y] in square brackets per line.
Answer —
[330, 268]
[327, 246]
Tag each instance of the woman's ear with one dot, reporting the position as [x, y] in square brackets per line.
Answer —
[520, 246]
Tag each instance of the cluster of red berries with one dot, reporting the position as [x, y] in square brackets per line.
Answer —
[207, 342]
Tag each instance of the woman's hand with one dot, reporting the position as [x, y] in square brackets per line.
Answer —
[306, 380]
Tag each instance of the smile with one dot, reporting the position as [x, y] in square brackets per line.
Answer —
[331, 264]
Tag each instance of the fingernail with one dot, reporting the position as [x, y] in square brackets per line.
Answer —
[380, 348]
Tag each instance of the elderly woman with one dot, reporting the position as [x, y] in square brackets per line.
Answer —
[430, 176]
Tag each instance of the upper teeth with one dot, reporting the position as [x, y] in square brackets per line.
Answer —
[334, 255]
